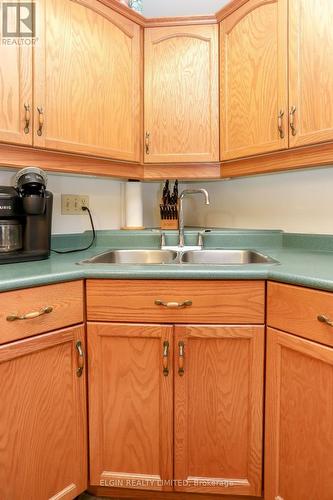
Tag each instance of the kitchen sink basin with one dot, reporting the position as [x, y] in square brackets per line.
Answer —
[133, 257]
[199, 257]
[226, 257]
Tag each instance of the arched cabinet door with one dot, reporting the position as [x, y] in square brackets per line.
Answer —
[87, 68]
[181, 94]
[254, 79]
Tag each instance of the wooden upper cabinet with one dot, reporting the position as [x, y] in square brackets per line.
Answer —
[299, 419]
[131, 405]
[254, 80]
[219, 409]
[181, 94]
[87, 71]
[311, 70]
[43, 430]
[15, 94]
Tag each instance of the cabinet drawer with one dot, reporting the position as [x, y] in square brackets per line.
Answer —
[63, 300]
[296, 309]
[209, 301]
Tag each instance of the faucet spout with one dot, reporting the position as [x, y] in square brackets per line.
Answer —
[188, 192]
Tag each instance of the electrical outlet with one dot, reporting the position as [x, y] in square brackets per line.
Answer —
[71, 204]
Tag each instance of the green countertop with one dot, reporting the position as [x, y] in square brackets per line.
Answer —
[304, 259]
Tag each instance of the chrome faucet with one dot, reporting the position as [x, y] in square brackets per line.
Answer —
[185, 193]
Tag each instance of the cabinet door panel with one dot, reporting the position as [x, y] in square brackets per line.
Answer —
[299, 419]
[181, 94]
[15, 91]
[130, 401]
[311, 70]
[254, 79]
[87, 79]
[218, 409]
[43, 449]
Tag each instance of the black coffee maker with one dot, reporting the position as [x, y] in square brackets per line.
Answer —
[25, 218]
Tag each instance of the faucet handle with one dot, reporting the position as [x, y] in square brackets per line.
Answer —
[162, 239]
[200, 242]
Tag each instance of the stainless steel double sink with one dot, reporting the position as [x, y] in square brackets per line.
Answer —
[196, 257]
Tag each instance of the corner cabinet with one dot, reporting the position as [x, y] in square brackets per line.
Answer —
[254, 79]
[16, 94]
[299, 419]
[87, 70]
[299, 394]
[181, 119]
[43, 441]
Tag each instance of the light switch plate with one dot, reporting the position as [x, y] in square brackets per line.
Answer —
[71, 204]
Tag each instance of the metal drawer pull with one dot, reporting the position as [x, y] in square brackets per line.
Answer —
[181, 370]
[27, 118]
[147, 143]
[278, 498]
[280, 124]
[325, 319]
[166, 358]
[173, 305]
[292, 120]
[40, 121]
[79, 370]
[30, 315]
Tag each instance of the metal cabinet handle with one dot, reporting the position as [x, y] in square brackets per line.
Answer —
[40, 121]
[147, 143]
[181, 369]
[278, 498]
[165, 358]
[292, 120]
[30, 315]
[173, 305]
[324, 319]
[27, 118]
[80, 368]
[280, 124]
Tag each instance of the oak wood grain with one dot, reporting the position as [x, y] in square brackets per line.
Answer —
[181, 94]
[219, 409]
[299, 419]
[43, 434]
[311, 70]
[212, 301]
[254, 79]
[66, 300]
[130, 406]
[15, 90]
[87, 78]
[54, 161]
[295, 309]
[317, 155]
[182, 171]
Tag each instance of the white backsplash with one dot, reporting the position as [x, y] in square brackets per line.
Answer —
[299, 201]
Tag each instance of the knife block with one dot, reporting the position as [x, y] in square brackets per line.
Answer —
[166, 223]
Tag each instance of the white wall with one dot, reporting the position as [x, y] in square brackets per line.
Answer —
[300, 201]
[105, 201]
[160, 8]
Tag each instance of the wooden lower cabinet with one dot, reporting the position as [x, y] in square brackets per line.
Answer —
[299, 419]
[192, 427]
[130, 405]
[43, 449]
[219, 409]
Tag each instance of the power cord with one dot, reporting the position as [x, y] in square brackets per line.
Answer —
[92, 241]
